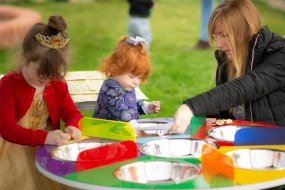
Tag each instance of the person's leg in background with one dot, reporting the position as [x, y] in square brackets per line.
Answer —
[206, 7]
[139, 26]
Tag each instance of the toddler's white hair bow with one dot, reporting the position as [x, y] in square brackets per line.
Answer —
[135, 41]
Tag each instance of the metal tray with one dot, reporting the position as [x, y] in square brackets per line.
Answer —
[153, 126]
[175, 147]
[224, 133]
[157, 172]
[258, 158]
[70, 152]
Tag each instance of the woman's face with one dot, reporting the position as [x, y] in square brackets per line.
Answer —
[128, 81]
[221, 38]
[30, 72]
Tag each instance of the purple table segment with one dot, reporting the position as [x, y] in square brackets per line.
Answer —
[260, 136]
[54, 166]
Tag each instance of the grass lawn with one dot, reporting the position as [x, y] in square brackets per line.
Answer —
[178, 71]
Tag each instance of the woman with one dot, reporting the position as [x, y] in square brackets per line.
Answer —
[33, 99]
[250, 76]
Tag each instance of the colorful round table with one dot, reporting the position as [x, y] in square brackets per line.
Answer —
[196, 161]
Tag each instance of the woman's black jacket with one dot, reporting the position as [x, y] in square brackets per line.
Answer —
[261, 89]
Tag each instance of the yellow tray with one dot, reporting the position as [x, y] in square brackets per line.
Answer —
[108, 129]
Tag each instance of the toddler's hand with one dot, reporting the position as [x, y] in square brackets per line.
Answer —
[153, 107]
[141, 133]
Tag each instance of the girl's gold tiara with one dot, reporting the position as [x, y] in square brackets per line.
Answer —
[54, 42]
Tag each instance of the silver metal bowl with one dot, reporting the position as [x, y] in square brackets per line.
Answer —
[154, 132]
[70, 152]
[157, 172]
[258, 158]
[153, 126]
[175, 147]
[224, 133]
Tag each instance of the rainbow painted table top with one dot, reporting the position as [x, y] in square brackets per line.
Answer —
[214, 169]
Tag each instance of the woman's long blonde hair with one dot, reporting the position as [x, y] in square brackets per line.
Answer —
[240, 21]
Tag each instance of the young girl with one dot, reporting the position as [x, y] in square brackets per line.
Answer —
[125, 68]
[33, 99]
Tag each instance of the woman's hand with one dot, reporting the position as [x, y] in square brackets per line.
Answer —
[74, 132]
[57, 137]
[182, 119]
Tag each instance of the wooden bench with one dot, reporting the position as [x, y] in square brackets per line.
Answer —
[84, 87]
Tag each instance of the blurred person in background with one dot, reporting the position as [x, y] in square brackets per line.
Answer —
[139, 19]
[206, 8]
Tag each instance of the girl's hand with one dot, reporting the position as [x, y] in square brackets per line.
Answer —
[74, 132]
[57, 137]
[182, 119]
[153, 107]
